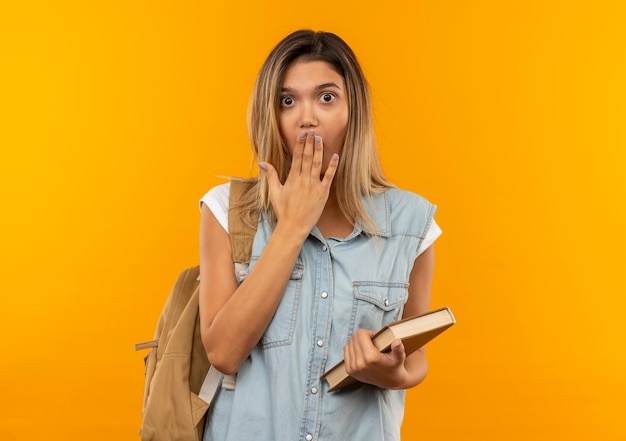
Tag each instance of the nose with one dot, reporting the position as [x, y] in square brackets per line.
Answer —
[307, 118]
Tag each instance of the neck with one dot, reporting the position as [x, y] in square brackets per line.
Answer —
[332, 222]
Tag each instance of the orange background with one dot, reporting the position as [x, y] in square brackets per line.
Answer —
[117, 116]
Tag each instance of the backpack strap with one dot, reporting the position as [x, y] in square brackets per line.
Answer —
[241, 233]
[209, 385]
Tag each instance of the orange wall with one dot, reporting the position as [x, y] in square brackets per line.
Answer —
[117, 116]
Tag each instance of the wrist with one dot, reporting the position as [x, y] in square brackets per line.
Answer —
[289, 233]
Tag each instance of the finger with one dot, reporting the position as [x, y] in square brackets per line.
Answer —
[362, 348]
[307, 153]
[347, 359]
[318, 156]
[397, 353]
[272, 177]
[351, 357]
[298, 151]
[331, 170]
[366, 344]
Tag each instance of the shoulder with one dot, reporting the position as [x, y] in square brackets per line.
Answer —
[406, 213]
[403, 202]
[217, 200]
[218, 193]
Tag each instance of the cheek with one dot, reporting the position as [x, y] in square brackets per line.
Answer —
[340, 128]
[287, 137]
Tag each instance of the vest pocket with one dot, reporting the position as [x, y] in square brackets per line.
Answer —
[376, 304]
[280, 330]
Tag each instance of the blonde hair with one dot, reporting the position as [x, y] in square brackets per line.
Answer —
[360, 173]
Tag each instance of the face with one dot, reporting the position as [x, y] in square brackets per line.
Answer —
[314, 97]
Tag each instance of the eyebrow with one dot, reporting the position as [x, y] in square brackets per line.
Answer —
[320, 87]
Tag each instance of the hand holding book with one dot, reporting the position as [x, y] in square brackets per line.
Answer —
[367, 364]
[414, 332]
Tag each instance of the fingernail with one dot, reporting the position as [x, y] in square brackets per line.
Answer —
[335, 157]
[263, 166]
[312, 133]
[318, 139]
[302, 134]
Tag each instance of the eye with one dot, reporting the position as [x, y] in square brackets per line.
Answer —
[327, 97]
[286, 101]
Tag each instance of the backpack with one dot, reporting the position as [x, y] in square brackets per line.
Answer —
[179, 380]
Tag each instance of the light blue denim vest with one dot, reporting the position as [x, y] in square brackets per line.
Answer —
[337, 286]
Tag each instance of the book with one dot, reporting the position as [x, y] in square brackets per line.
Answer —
[414, 332]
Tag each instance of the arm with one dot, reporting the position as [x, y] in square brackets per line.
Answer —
[394, 370]
[233, 318]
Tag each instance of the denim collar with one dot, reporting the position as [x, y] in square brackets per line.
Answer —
[379, 209]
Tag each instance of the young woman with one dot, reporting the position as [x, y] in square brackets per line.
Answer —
[339, 252]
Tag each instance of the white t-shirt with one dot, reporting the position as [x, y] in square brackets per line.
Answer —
[217, 201]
